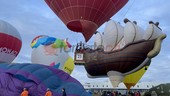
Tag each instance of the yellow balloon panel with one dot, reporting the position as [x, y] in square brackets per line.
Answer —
[131, 79]
[69, 65]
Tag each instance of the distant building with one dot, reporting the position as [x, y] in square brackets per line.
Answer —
[161, 90]
[107, 86]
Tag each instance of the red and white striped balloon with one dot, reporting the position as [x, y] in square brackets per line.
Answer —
[10, 42]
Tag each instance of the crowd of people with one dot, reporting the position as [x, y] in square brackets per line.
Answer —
[117, 93]
[128, 93]
[25, 92]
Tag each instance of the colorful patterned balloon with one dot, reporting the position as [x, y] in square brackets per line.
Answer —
[53, 52]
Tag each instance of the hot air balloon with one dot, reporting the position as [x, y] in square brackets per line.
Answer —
[37, 78]
[128, 51]
[52, 52]
[132, 79]
[10, 42]
[85, 16]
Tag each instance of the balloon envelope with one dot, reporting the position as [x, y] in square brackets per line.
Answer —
[10, 42]
[131, 79]
[85, 16]
[37, 78]
[52, 52]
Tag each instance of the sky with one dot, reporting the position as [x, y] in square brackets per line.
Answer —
[33, 17]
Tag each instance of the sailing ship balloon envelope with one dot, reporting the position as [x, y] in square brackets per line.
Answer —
[120, 51]
[85, 16]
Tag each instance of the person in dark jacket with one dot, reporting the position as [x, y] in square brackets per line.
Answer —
[64, 92]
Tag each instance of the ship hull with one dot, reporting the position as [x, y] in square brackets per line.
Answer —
[98, 62]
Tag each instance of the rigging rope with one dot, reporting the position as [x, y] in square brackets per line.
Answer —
[127, 11]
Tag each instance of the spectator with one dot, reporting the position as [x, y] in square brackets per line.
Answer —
[48, 93]
[24, 92]
[64, 92]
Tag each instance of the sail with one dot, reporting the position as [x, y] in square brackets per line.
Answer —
[132, 32]
[98, 40]
[113, 33]
[152, 32]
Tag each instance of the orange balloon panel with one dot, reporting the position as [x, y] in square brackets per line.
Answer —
[85, 16]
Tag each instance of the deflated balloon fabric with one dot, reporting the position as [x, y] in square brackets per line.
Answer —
[37, 78]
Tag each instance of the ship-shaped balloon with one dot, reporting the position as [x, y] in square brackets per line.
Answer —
[85, 16]
[120, 51]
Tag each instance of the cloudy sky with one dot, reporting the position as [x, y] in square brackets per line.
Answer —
[33, 17]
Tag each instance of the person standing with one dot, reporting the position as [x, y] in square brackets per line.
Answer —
[48, 92]
[64, 92]
[24, 92]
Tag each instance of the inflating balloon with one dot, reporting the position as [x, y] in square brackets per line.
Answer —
[123, 53]
[132, 79]
[10, 42]
[52, 52]
[85, 16]
[37, 78]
